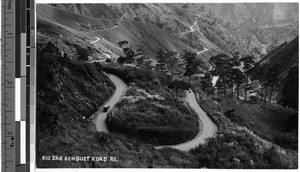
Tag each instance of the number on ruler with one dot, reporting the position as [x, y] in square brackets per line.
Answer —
[12, 144]
[9, 82]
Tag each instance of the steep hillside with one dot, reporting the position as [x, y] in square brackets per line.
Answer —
[72, 20]
[273, 36]
[145, 35]
[149, 36]
[286, 55]
[267, 24]
[277, 63]
[68, 41]
[91, 10]
[68, 93]
[200, 29]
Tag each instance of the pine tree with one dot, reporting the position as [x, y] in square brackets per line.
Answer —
[171, 62]
[226, 70]
[160, 65]
[128, 52]
[238, 78]
[248, 63]
[206, 84]
[191, 65]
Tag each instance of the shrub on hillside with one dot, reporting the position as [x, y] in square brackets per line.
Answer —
[151, 113]
[236, 151]
[154, 124]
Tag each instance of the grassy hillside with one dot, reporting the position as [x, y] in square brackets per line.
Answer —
[72, 20]
[210, 32]
[70, 41]
[269, 121]
[145, 35]
[271, 126]
[91, 10]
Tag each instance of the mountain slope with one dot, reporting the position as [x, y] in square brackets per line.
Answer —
[91, 10]
[146, 35]
[207, 31]
[275, 35]
[149, 36]
[267, 24]
[286, 55]
[70, 19]
[279, 61]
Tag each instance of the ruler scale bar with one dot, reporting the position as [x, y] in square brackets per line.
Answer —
[23, 46]
[8, 74]
[18, 86]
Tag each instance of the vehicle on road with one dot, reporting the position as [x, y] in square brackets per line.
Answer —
[106, 108]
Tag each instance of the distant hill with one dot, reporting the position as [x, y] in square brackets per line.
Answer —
[248, 15]
[275, 35]
[218, 28]
[269, 24]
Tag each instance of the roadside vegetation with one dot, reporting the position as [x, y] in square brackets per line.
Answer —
[151, 111]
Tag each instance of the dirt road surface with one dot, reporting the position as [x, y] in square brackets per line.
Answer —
[207, 128]
[100, 116]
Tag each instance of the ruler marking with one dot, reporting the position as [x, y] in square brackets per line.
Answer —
[9, 44]
[18, 56]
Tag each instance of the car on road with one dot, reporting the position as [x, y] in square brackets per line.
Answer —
[106, 108]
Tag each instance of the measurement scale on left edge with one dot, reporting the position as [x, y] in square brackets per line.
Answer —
[18, 85]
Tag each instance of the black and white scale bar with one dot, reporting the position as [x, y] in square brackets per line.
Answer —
[20, 86]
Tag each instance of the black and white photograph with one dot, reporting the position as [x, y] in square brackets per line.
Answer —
[167, 85]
